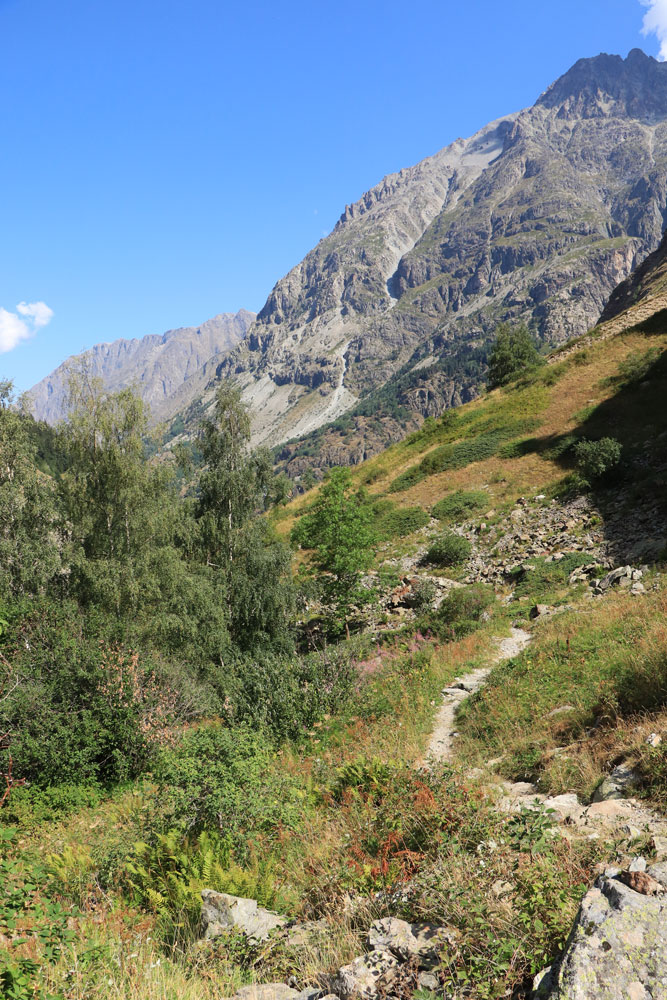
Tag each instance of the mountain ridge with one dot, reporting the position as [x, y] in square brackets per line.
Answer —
[158, 364]
[536, 218]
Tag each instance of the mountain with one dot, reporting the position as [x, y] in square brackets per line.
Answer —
[535, 218]
[166, 369]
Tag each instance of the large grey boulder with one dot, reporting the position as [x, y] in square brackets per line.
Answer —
[222, 912]
[618, 946]
[422, 942]
[360, 978]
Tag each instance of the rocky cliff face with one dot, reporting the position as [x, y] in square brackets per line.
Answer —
[535, 218]
[166, 369]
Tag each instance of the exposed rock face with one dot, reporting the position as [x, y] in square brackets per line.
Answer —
[159, 366]
[618, 946]
[537, 217]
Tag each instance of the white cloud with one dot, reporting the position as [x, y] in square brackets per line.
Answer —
[655, 23]
[22, 324]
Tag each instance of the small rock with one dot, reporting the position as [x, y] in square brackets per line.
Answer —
[637, 865]
[542, 984]
[421, 942]
[659, 845]
[539, 610]
[360, 978]
[641, 882]
[654, 740]
[428, 981]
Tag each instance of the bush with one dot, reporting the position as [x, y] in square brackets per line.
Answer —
[461, 611]
[287, 697]
[457, 506]
[224, 779]
[399, 522]
[449, 550]
[76, 714]
[595, 458]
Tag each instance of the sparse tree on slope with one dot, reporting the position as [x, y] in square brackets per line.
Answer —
[512, 353]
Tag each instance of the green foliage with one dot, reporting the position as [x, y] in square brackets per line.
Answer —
[25, 915]
[250, 564]
[461, 611]
[424, 594]
[475, 448]
[397, 522]
[30, 805]
[449, 549]
[72, 713]
[541, 580]
[595, 459]
[225, 780]
[339, 530]
[168, 875]
[364, 778]
[531, 830]
[513, 352]
[29, 556]
[460, 505]
[287, 696]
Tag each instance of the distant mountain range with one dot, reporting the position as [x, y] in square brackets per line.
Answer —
[536, 218]
[166, 369]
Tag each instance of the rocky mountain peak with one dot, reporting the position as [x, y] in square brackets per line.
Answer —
[608, 85]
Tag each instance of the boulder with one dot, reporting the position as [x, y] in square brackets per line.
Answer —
[222, 912]
[617, 784]
[618, 946]
[421, 942]
[361, 977]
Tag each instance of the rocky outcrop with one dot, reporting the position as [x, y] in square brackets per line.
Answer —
[536, 218]
[618, 947]
[165, 369]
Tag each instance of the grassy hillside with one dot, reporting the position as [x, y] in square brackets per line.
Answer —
[322, 810]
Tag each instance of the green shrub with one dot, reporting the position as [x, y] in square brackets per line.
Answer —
[449, 550]
[461, 611]
[460, 505]
[399, 522]
[424, 593]
[225, 779]
[407, 480]
[367, 778]
[32, 804]
[596, 458]
[286, 697]
[76, 715]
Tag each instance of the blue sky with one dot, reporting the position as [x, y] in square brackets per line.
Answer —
[165, 161]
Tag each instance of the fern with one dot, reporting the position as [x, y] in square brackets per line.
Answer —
[166, 877]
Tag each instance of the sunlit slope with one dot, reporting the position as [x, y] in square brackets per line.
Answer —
[612, 382]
